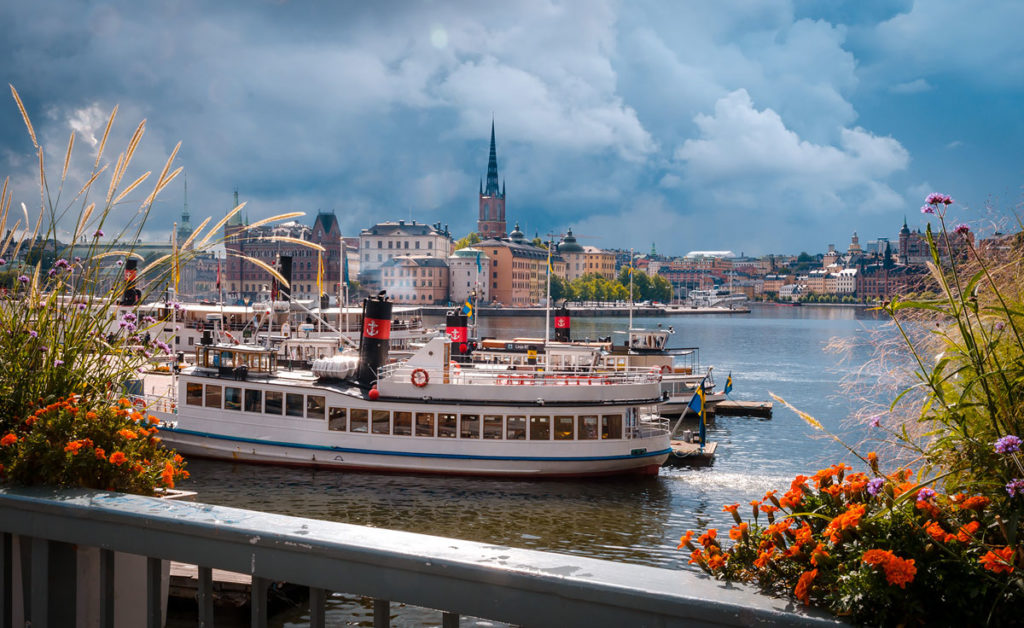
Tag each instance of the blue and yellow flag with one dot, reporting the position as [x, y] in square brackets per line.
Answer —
[319, 274]
[478, 267]
[697, 405]
[728, 384]
[467, 308]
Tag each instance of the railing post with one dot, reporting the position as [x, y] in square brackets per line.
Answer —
[154, 601]
[6, 580]
[106, 588]
[204, 597]
[449, 620]
[381, 613]
[317, 599]
[258, 599]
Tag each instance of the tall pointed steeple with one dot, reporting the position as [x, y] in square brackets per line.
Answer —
[492, 168]
[185, 228]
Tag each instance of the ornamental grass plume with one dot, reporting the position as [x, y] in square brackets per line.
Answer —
[69, 326]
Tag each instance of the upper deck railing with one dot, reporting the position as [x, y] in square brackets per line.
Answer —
[522, 587]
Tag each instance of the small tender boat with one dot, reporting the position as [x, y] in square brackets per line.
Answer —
[426, 414]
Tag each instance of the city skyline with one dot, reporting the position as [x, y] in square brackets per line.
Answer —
[773, 128]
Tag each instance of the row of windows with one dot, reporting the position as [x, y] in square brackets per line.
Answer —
[404, 423]
[392, 244]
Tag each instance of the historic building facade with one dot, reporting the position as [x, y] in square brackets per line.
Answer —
[518, 270]
[468, 276]
[415, 279]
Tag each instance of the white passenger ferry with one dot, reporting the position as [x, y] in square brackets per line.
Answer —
[425, 414]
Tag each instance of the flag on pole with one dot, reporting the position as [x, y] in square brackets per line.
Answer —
[479, 269]
[175, 262]
[551, 270]
[344, 263]
[697, 405]
[728, 384]
[218, 272]
[319, 274]
[467, 308]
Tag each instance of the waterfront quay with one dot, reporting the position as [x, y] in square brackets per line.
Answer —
[49, 529]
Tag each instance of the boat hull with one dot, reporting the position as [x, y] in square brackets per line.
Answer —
[646, 457]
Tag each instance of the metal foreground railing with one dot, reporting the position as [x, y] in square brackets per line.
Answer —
[522, 587]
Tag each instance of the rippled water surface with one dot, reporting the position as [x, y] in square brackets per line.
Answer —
[781, 349]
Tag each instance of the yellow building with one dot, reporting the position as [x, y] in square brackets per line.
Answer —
[517, 273]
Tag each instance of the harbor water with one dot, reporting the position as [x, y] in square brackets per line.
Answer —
[635, 520]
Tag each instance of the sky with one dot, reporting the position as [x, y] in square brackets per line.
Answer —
[759, 127]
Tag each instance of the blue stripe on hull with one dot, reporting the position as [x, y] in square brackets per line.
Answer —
[352, 450]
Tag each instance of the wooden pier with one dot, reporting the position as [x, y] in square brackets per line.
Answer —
[729, 407]
[687, 454]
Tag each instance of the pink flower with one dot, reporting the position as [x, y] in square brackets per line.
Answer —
[927, 209]
[938, 199]
[962, 229]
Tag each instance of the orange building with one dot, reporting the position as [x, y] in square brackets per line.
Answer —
[518, 270]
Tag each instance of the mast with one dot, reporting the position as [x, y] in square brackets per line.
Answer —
[632, 269]
[547, 302]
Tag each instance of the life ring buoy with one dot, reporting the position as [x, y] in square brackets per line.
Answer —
[665, 368]
[419, 378]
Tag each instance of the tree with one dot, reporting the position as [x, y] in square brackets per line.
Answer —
[560, 289]
[472, 238]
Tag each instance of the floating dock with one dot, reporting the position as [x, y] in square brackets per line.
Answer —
[687, 454]
[231, 591]
[729, 407]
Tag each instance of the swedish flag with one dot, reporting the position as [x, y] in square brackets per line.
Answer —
[697, 405]
[467, 308]
[728, 384]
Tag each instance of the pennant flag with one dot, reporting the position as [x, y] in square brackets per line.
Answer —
[478, 267]
[467, 308]
[344, 259]
[175, 261]
[319, 274]
[728, 384]
[218, 272]
[697, 405]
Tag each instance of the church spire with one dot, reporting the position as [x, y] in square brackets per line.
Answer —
[492, 168]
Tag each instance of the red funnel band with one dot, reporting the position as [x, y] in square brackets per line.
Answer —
[377, 328]
[561, 322]
[457, 334]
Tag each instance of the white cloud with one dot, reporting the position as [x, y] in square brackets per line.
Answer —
[911, 87]
[745, 156]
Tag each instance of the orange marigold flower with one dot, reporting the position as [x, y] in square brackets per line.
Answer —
[178, 459]
[685, 540]
[764, 557]
[967, 531]
[136, 416]
[798, 482]
[792, 499]
[998, 561]
[900, 571]
[90, 415]
[768, 508]
[100, 454]
[124, 402]
[855, 483]
[128, 434]
[935, 531]
[118, 458]
[904, 487]
[818, 553]
[31, 421]
[696, 557]
[832, 489]
[804, 534]
[716, 561]
[708, 538]
[803, 586]
[876, 557]
[928, 507]
[847, 520]
[873, 459]
[730, 508]
[738, 531]
[978, 502]
[73, 447]
[8, 440]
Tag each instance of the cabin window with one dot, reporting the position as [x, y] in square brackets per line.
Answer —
[337, 419]
[540, 428]
[403, 424]
[587, 427]
[273, 403]
[360, 420]
[212, 396]
[253, 400]
[611, 426]
[293, 404]
[563, 428]
[381, 421]
[315, 407]
[470, 426]
[492, 427]
[194, 394]
[232, 398]
[424, 423]
[446, 425]
[516, 428]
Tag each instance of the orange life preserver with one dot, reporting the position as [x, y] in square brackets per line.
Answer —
[665, 368]
[419, 378]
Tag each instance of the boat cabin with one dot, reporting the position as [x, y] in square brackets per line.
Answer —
[238, 361]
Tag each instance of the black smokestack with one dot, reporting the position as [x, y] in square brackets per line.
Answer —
[374, 342]
[563, 324]
[284, 266]
[455, 324]
[131, 294]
